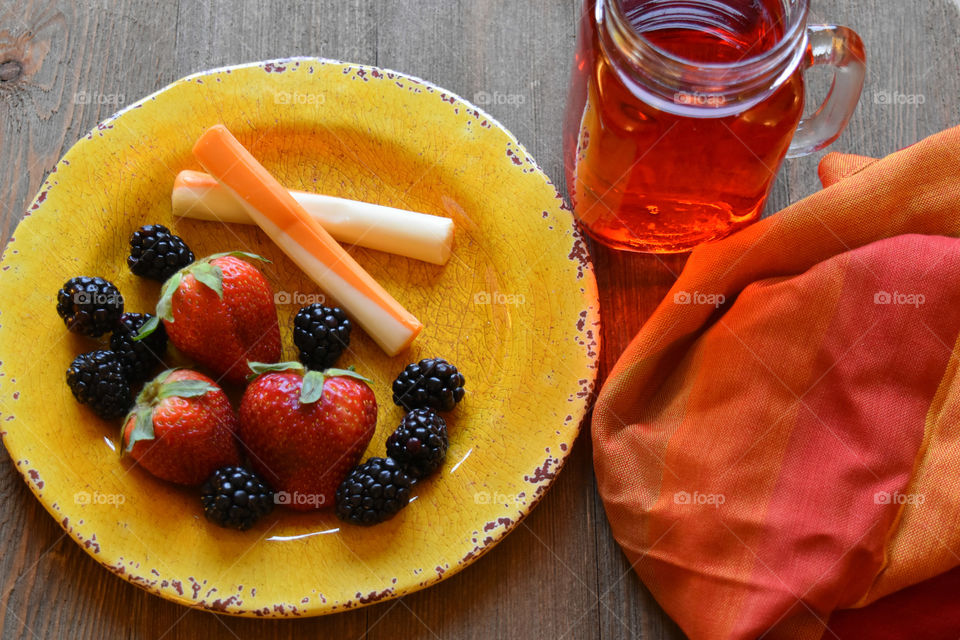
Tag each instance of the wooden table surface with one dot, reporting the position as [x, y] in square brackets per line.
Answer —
[559, 574]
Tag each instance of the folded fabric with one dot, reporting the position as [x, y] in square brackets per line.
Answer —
[779, 446]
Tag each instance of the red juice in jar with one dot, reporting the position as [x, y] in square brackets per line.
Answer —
[680, 114]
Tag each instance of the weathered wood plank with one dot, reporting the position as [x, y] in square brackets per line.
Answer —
[631, 285]
[223, 32]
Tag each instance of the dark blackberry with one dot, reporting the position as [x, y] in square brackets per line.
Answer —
[373, 492]
[156, 253]
[432, 382]
[89, 305]
[236, 498]
[97, 380]
[420, 442]
[321, 335]
[138, 357]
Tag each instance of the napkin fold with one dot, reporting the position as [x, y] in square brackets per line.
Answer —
[778, 449]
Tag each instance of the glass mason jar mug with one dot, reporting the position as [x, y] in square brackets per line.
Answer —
[680, 112]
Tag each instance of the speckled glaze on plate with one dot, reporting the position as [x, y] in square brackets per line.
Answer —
[515, 308]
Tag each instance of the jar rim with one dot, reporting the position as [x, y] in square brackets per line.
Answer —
[797, 23]
[692, 88]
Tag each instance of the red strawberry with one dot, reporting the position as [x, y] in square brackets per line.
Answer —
[305, 430]
[219, 311]
[182, 428]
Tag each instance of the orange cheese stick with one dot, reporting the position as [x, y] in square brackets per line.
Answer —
[306, 242]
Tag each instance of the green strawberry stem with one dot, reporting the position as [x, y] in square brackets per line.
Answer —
[273, 367]
[152, 394]
[312, 389]
[205, 273]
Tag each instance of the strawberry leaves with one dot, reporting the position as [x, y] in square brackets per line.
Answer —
[142, 429]
[205, 272]
[164, 306]
[184, 389]
[154, 392]
[312, 389]
[349, 372]
[237, 254]
[313, 381]
[259, 368]
[147, 327]
[211, 275]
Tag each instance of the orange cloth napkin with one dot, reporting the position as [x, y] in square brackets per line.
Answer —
[781, 440]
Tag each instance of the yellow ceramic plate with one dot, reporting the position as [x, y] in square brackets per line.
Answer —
[515, 309]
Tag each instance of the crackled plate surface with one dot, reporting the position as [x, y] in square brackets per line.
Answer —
[515, 308]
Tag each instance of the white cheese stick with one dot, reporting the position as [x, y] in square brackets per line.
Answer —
[413, 235]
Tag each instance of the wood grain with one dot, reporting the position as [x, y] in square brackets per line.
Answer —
[67, 64]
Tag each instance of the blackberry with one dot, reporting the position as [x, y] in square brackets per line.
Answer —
[373, 492]
[432, 382]
[156, 253]
[138, 357]
[321, 335]
[89, 305]
[97, 380]
[236, 498]
[420, 442]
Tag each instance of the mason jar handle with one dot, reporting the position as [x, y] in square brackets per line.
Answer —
[842, 49]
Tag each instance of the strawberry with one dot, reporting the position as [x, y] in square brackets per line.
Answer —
[219, 311]
[305, 430]
[182, 428]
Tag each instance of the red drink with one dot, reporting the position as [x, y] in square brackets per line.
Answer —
[658, 162]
